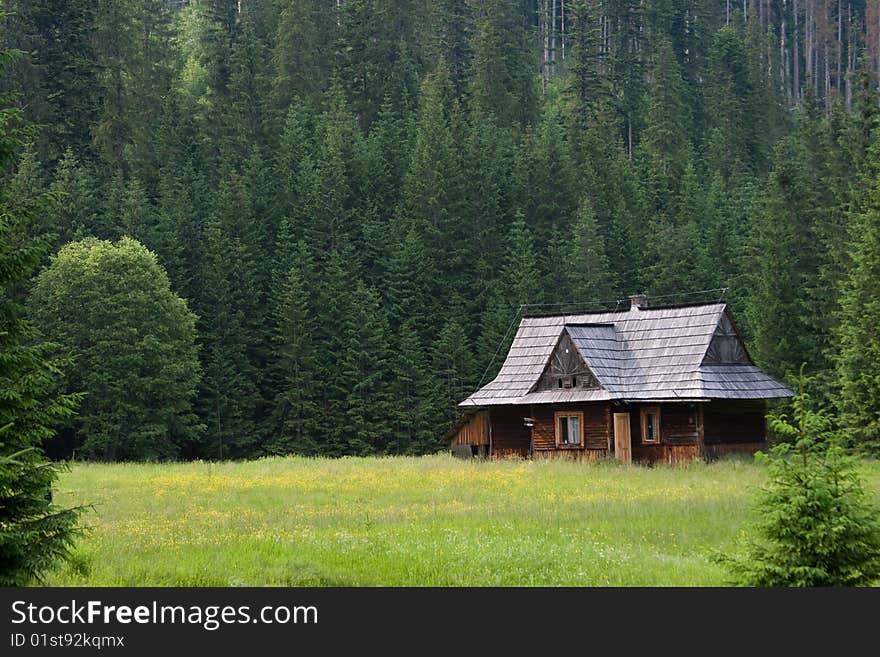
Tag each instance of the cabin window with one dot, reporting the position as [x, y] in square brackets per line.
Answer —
[569, 428]
[651, 424]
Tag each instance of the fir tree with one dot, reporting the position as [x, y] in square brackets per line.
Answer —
[35, 534]
[74, 186]
[858, 378]
[587, 262]
[503, 83]
[363, 373]
[294, 426]
[413, 416]
[452, 363]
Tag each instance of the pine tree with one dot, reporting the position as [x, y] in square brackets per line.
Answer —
[408, 285]
[371, 55]
[363, 372]
[35, 534]
[57, 71]
[590, 85]
[332, 184]
[294, 426]
[814, 525]
[453, 365]
[230, 304]
[433, 191]
[858, 379]
[487, 168]
[302, 52]
[332, 292]
[444, 36]
[736, 125]
[547, 187]
[784, 260]
[519, 274]
[74, 186]
[412, 414]
[587, 263]
[665, 147]
[503, 82]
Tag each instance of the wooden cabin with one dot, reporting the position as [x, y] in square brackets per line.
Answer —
[646, 384]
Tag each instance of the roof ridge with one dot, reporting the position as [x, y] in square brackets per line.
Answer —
[692, 304]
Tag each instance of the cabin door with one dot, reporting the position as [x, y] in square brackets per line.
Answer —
[622, 443]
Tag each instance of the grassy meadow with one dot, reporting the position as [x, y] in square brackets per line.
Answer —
[430, 521]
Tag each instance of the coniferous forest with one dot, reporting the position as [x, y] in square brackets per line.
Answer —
[308, 226]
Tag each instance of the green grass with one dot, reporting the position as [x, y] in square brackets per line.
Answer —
[432, 521]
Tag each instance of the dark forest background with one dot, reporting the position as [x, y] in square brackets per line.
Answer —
[355, 198]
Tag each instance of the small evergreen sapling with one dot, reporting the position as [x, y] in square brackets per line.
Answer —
[814, 525]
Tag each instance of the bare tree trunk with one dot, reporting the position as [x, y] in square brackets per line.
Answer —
[545, 56]
[629, 137]
[808, 43]
[839, 47]
[563, 29]
[796, 59]
[826, 46]
[553, 38]
[783, 57]
[850, 57]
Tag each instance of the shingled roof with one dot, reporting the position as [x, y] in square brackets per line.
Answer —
[641, 354]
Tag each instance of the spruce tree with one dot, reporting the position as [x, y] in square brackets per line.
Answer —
[302, 52]
[857, 373]
[232, 329]
[412, 413]
[35, 534]
[785, 259]
[293, 423]
[814, 525]
[587, 263]
[520, 274]
[503, 83]
[452, 362]
[73, 184]
[363, 374]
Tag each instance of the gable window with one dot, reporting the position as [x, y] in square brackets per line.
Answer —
[569, 428]
[651, 424]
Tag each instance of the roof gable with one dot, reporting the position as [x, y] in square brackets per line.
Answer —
[566, 368]
[726, 346]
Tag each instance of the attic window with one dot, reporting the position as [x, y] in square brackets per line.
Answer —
[569, 428]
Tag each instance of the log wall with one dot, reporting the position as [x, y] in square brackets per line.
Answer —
[510, 436]
[688, 431]
[665, 453]
[597, 431]
[475, 431]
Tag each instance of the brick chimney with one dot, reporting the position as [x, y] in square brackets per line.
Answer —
[638, 301]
